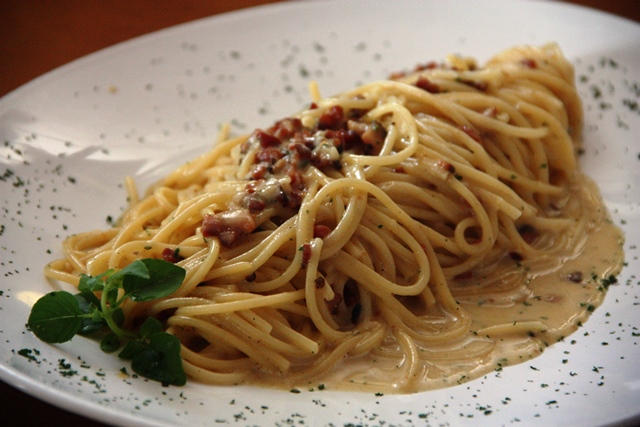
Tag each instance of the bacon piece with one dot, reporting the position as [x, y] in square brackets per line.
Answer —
[286, 128]
[269, 155]
[333, 118]
[374, 135]
[171, 255]
[228, 226]
[306, 254]
[481, 86]
[575, 276]
[258, 172]
[256, 205]
[431, 65]
[472, 132]
[345, 139]
[426, 84]
[321, 231]
[302, 154]
[266, 140]
[397, 75]
[446, 166]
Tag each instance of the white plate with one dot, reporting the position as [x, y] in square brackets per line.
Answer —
[145, 106]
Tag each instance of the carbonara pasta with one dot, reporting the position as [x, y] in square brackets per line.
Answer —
[409, 234]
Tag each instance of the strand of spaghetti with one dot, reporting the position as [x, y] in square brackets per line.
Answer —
[192, 208]
[329, 358]
[125, 253]
[392, 142]
[165, 197]
[404, 120]
[394, 238]
[383, 256]
[294, 308]
[560, 147]
[176, 302]
[247, 304]
[453, 111]
[311, 296]
[206, 376]
[386, 88]
[497, 103]
[280, 327]
[79, 248]
[479, 218]
[519, 328]
[553, 223]
[372, 338]
[397, 316]
[375, 283]
[461, 349]
[229, 366]
[438, 285]
[216, 295]
[197, 269]
[453, 144]
[56, 270]
[443, 208]
[132, 190]
[191, 172]
[263, 356]
[246, 161]
[286, 350]
[349, 217]
[458, 78]
[258, 255]
[310, 208]
[314, 91]
[411, 363]
[510, 200]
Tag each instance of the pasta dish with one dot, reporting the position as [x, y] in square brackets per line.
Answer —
[409, 234]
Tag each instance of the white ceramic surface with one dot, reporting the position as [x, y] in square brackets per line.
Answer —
[145, 106]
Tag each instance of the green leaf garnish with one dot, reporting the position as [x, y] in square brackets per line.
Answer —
[150, 327]
[56, 317]
[59, 316]
[88, 304]
[110, 343]
[160, 360]
[163, 280]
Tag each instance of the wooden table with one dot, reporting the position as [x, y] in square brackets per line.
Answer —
[28, 50]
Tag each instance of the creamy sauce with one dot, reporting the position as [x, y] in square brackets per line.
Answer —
[543, 302]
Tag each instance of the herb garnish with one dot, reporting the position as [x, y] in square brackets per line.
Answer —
[58, 316]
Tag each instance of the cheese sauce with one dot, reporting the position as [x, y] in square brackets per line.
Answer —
[523, 307]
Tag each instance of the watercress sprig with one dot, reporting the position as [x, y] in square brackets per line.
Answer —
[58, 316]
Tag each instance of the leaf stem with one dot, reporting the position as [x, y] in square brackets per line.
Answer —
[108, 317]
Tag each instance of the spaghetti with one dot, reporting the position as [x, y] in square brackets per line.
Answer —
[409, 234]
